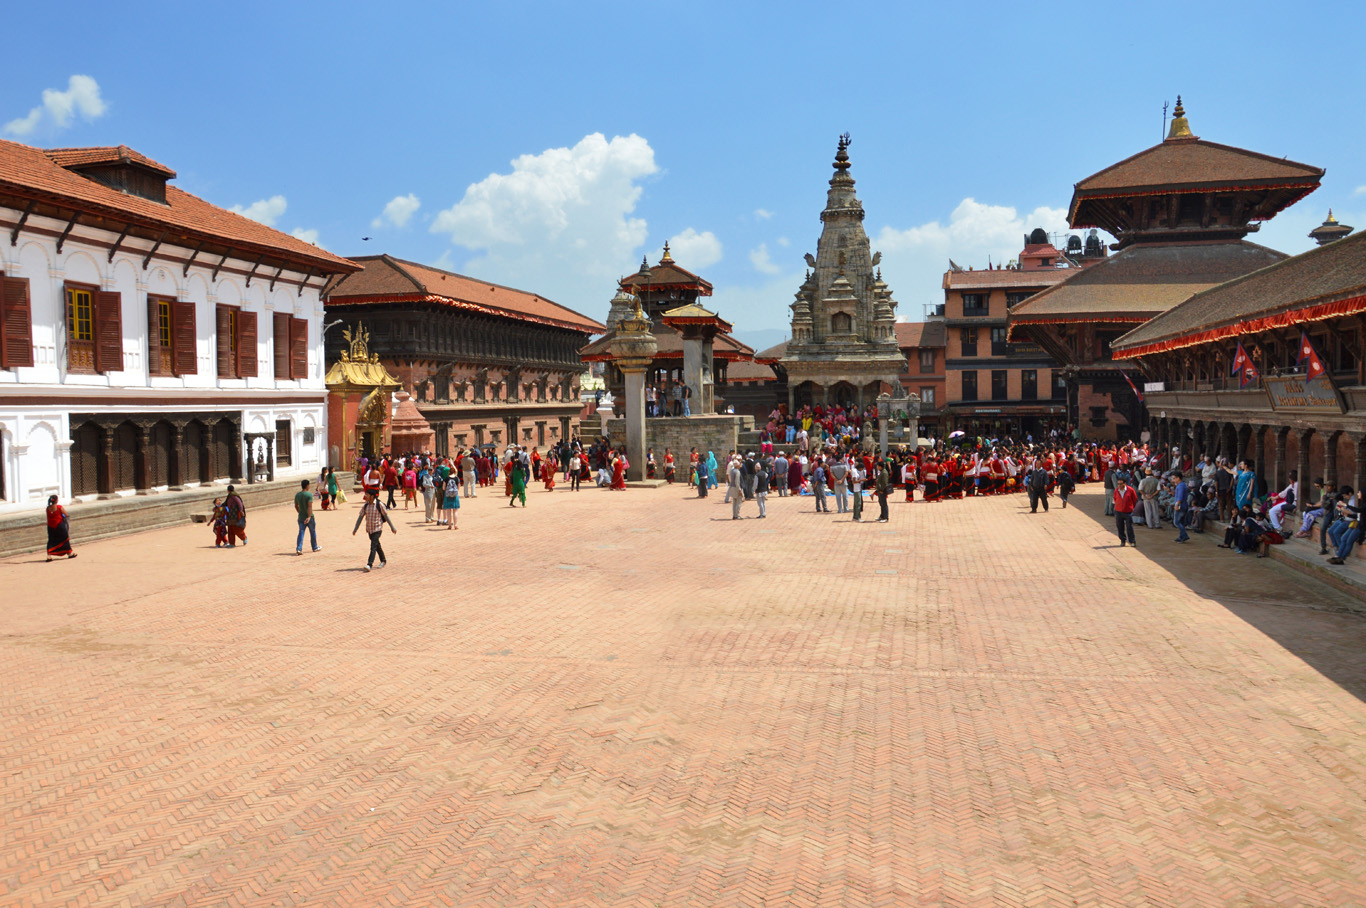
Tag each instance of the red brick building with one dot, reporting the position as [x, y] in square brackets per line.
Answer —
[923, 345]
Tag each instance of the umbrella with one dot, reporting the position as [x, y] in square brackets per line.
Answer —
[959, 433]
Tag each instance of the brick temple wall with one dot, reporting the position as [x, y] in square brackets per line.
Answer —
[718, 434]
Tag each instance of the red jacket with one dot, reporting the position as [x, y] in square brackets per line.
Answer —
[1126, 500]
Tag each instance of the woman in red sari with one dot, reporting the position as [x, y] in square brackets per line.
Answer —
[548, 473]
[619, 472]
[58, 530]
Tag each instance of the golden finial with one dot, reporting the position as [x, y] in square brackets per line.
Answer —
[1181, 128]
[1331, 219]
[667, 256]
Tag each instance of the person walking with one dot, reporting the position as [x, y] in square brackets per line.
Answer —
[1125, 500]
[390, 481]
[333, 493]
[881, 485]
[856, 480]
[236, 513]
[839, 483]
[761, 487]
[374, 516]
[1148, 488]
[467, 469]
[1038, 488]
[818, 478]
[703, 478]
[453, 501]
[427, 482]
[303, 507]
[409, 486]
[1065, 486]
[1181, 507]
[58, 530]
[1109, 484]
[734, 491]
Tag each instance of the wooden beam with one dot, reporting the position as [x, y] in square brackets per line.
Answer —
[252, 274]
[185, 272]
[23, 219]
[278, 272]
[216, 268]
[148, 260]
[67, 232]
[119, 242]
[304, 283]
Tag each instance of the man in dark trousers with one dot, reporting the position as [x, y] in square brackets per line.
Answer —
[1125, 499]
[881, 485]
[1037, 485]
[374, 516]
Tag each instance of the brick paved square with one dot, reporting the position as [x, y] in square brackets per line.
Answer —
[629, 699]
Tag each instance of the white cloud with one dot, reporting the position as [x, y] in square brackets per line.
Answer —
[267, 211]
[784, 242]
[82, 96]
[308, 236]
[1361, 190]
[759, 258]
[763, 214]
[915, 259]
[398, 211]
[694, 250]
[559, 223]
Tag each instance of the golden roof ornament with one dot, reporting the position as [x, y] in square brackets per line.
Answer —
[1181, 127]
[668, 258]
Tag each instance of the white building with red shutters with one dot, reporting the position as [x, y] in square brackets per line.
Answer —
[149, 340]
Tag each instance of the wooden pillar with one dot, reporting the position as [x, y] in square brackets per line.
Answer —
[1359, 475]
[1242, 439]
[1330, 458]
[143, 462]
[270, 457]
[175, 462]
[1280, 471]
[1258, 453]
[104, 464]
[235, 455]
[1305, 436]
[1198, 447]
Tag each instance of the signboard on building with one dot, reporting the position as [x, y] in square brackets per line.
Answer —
[1297, 394]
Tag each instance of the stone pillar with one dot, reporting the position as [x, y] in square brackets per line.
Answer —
[693, 374]
[634, 412]
[633, 349]
[270, 457]
[1280, 473]
[1330, 458]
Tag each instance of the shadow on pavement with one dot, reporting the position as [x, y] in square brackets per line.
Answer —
[1321, 625]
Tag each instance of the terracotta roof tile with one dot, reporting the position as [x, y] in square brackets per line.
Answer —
[1005, 277]
[1144, 279]
[105, 154]
[666, 274]
[1195, 162]
[33, 172]
[1323, 274]
[921, 334]
[383, 276]
[670, 344]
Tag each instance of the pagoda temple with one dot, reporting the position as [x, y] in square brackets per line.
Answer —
[669, 295]
[1179, 212]
[843, 347]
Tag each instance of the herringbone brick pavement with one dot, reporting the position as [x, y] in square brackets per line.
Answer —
[631, 700]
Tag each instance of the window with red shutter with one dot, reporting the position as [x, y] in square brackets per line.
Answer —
[298, 348]
[108, 331]
[16, 323]
[185, 352]
[246, 344]
[281, 345]
[227, 361]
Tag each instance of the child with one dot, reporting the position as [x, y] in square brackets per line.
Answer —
[219, 523]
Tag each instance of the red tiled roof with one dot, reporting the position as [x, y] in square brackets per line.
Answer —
[1295, 290]
[105, 154]
[1005, 277]
[666, 275]
[384, 278]
[772, 354]
[1143, 280]
[921, 334]
[670, 346]
[1195, 162]
[35, 173]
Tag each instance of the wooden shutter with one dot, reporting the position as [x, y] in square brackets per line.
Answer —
[184, 346]
[153, 336]
[226, 367]
[108, 314]
[298, 348]
[246, 344]
[16, 323]
[281, 345]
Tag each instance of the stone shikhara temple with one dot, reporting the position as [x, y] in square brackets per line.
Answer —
[843, 348]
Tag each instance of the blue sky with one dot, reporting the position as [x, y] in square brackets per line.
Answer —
[549, 145]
